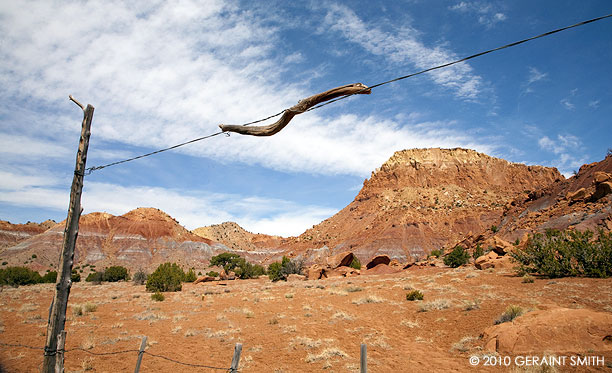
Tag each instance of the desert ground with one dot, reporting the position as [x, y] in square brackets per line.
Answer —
[296, 326]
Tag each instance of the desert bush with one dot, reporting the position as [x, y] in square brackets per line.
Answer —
[436, 253]
[274, 271]
[247, 270]
[95, 277]
[75, 276]
[213, 274]
[355, 263]
[228, 261]
[190, 276]
[566, 253]
[15, 276]
[494, 228]
[527, 279]
[511, 313]
[50, 277]
[456, 258]
[478, 252]
[158, 297]
[167, 277]
[280, 271]
[414, 295]
[116, 273]
[140, 277]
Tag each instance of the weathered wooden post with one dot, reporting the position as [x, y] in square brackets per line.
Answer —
[236, 358]
[143, 345]
[364, 359]
[57, 313]
[59, 360]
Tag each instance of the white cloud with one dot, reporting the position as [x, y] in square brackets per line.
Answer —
[535, 75]
[567, 104]
[594, 104]
[487, 15]
[191, 209]
[567, 148]
[404, 46]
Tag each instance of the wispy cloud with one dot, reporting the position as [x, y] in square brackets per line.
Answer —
[567, 148]
[535, 75]
[192, 209]
[404, 46]
[486, 13]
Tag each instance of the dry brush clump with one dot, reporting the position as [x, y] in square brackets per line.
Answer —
[438, 304]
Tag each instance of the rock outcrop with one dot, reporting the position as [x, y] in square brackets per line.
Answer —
[559, 330]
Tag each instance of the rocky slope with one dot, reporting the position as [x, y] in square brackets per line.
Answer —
[235, 237]
[12, 234]
[420, 200]
[581, 202]
[142, 238]
[417, 201]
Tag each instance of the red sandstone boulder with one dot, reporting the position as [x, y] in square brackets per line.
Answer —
[380, 259]
[560, 330]
[343, 259]
[203, 279]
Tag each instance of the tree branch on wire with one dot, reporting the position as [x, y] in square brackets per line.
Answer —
[302, 106]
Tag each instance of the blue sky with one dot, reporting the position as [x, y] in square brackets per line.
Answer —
[160, 73]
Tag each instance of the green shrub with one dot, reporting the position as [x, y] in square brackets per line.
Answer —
[355, 263]
[414, 295]
[16, 276]
[274, 271]
[50, 277]
[4, 263]
[436, 253]
[34, 256]
[456, 258]
[75, 276]
[228, 261]
[246, 270]
[511, 313]
[116, 273]
[213, 274]
[566, 253]
[190, 276]
[494, 228]
[140, 277]
[478, 252]
[167, 277]
[280, 271]
[95, 277]
[158, 297]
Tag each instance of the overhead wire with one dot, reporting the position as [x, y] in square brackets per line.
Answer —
[89, 170]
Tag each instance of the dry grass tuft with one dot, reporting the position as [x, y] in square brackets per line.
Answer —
[438, 304]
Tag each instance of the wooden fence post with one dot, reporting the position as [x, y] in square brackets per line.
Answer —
[364, 359]
[236, 358]
[143, 345]
[59, 359]
[57, 314]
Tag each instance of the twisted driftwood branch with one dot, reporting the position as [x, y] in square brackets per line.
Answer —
[301, 107]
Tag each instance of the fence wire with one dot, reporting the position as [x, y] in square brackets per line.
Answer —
[89, 170]
[68, 350]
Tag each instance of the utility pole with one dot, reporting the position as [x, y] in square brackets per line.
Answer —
[57, 313]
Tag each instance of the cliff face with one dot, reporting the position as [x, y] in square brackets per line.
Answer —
[423, 199]
[581, 202]
[417, 201]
